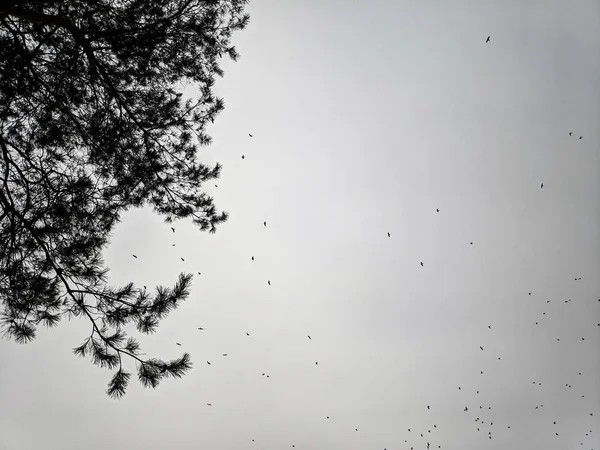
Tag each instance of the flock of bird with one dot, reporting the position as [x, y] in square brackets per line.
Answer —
[479, 412]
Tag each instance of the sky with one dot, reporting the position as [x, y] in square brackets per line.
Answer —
[367, 117]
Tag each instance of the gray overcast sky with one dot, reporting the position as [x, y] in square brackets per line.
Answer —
[367, 116]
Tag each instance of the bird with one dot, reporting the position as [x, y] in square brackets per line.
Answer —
[490, 327]
[471, 243]
[481, 348]
[243, 156]
[422, 264]
[183, 259]
[328, 417]
[309, 336]
[216, 185]
[178, 343]
[145, 287]
[247, 334]
[199, 273]
[466, 409]
[488, 39]
[269, 281]
[209, 404]
[570, 133]
[428, 407]
[437, 210]
[134, 256]
[250, 135]
[580, 137]
[265, 223]
[200, 328]
[253, 258]
[173, 229]
[389, 235]
[224, 354]
[316, 363]
[208, 362]
[542, 186]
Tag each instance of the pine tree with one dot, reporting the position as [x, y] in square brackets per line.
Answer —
[93, 121]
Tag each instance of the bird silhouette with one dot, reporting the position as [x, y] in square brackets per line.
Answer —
[250, 135]
[201, 328]
[481, 348]
[208, 362]
[488, 39]
[243, 156]
[428, 407]
[178, 343]
[437, 210]
[224, 354]
[199, 273]
[570, 133]
[253, 258]
[542, 186]
[471, 243]
[309, 336]
[580, 137]
[422, 264]
[389, 235]
[269, 281]
[134, 256]
[173, 229]
[316, 363]
[247, 334]
[183, 259]
[265, 223]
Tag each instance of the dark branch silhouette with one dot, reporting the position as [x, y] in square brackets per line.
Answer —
[93, 122]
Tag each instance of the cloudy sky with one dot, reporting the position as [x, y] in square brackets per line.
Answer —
[367, 117]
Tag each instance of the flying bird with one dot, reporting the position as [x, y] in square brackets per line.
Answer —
[580, 137]
[208, 362]
[178, 343]
[488, 39]
[201, 328]
[199, 273]
[269, 281]
[183, 259]
[309, 336]
[481, 348]
[316, 363]
[134, 256]
[471, 243]
[209, 404]
[542, 186]
[389, 235]
[428, 407]
[422, 264]
[224, 354]
[247, 334]
[570, 133]
[243, 156]
[265, 223]
[250, 135]
[437, 210]
[253, 258]
[173, 229]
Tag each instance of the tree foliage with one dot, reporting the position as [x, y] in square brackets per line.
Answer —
[93, 121]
